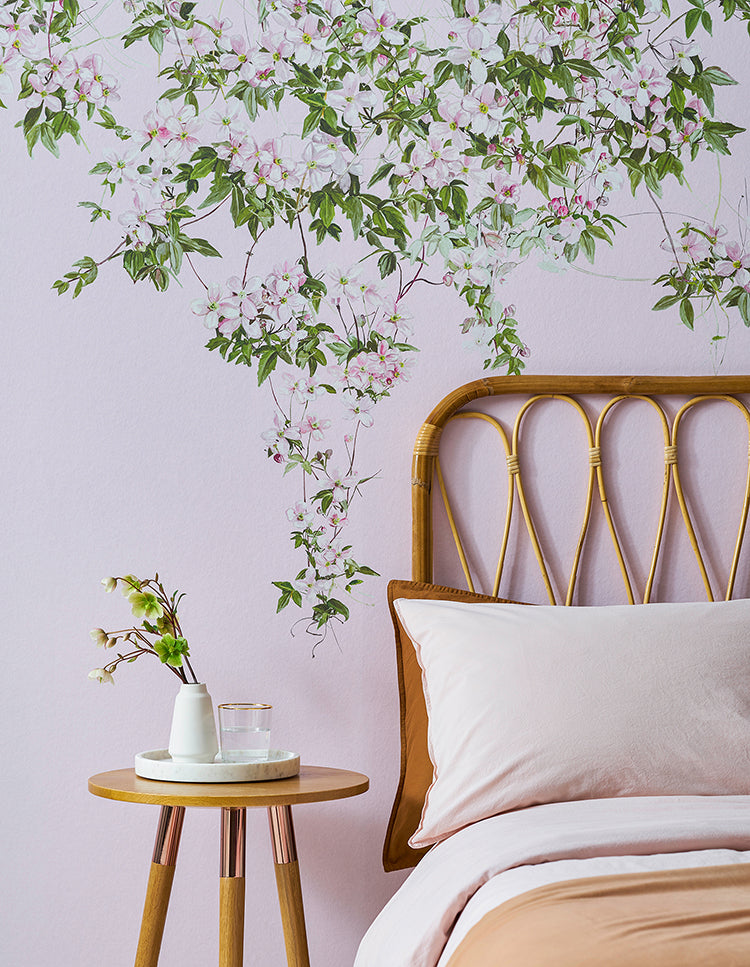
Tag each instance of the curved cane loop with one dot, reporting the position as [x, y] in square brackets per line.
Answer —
[606, 504]
[428, 440]
[683, 504]
[524, 505]
[471, 415]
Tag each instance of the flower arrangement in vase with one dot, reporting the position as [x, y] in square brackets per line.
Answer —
[193, 733]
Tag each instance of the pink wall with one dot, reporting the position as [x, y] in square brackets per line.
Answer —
[128, 447]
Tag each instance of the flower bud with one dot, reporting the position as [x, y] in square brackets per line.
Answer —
[109, 584]
[100, 636]
[101, 675]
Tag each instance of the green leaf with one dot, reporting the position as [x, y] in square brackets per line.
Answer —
[387, 264]
[666, 301]
[537, 85]
[743, 304]
[692, 19]
[355, 214]
[221, 188]
[267, 364]
[686, 312]
[199, 245]
[156, 38]
[716, 76]
[382, 172]
[327, 211]
[47, 138]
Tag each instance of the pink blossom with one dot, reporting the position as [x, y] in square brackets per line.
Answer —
[155, 129]
[344, 285]
[441, 156]
[219, 27]
[314, 426]
[303, 388]
[542, 44]
[645, 135]
[301, 513]
[286, 277]
[238, 55]
[184, 132]
[280, 434]
[308, 41]
[43, 91]
[216, 308]
[359, 409]
[469, 267]
[475, 16]
[680, 56]
[95, 84]
[617, 100]
[6, 85]
[505, 191]
[274, 57]
[124, 165]
[377, 24]
[646, 83]
[199, 39]
[413, 170]
[350, 101]
[340, 483]
[476, 49]
[735, 259]
[485, 107]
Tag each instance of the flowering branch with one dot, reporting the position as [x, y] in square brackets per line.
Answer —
[159, 633]
[464, 145]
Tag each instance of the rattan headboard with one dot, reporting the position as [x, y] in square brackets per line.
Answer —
[669, 405]
[593, 398]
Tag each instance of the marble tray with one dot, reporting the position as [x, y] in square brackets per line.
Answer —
[158, 764]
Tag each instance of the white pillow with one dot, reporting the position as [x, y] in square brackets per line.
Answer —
[532, 705]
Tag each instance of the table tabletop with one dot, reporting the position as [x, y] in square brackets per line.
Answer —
[313, 784]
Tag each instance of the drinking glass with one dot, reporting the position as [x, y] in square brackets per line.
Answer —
[245, 731]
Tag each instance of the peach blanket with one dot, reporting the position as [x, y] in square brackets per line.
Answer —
[487, 864]
[671, 918]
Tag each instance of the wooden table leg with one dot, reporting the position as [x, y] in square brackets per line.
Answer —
[232, 887]
[159, 885]
[288, 885]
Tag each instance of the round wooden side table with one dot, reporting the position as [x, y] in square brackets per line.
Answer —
[313, 784]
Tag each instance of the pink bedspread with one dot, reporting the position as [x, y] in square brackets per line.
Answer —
[501, 857]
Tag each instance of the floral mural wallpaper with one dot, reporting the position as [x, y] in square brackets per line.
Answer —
[354, 206]
[442, 149]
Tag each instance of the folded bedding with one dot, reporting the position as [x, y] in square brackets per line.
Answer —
[669, 918]
[490, 865]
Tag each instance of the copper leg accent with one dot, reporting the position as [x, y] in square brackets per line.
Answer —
[288, 885]
[159, 885]
[232, 887]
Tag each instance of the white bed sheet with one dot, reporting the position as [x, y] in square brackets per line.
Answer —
[489, 862]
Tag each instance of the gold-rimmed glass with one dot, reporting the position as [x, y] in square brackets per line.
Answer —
[244, 731]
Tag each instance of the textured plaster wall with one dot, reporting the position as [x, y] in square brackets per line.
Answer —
[127, 447]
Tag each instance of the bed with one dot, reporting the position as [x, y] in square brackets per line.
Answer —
[575, 745]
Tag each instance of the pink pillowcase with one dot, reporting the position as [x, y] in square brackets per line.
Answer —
[547, 704]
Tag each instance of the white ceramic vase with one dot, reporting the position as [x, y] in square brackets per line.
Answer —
[193, 735]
